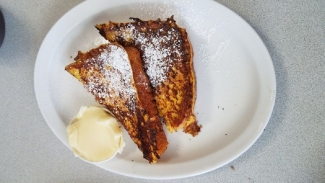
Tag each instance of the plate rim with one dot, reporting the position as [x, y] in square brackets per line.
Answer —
[40, 97]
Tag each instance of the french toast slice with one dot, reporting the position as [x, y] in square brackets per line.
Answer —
[106, 73]
[167, 58]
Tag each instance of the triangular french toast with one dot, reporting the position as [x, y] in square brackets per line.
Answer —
[106, 72]
[167, 57]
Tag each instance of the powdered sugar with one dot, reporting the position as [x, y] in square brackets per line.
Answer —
[201, 29]
[110, 75]
[186, 12]
[160, 48]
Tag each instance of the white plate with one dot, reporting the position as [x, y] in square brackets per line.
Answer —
[235, 82]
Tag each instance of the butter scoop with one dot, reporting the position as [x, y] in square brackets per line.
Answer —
[95, 135]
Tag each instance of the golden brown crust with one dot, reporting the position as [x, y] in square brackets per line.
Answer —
[167, 57]
[107, 74]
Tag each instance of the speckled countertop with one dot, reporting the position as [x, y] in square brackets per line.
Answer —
[291, 149]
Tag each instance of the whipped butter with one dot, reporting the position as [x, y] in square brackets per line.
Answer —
[95, 135]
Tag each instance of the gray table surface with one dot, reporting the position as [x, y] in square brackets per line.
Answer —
[292, 148]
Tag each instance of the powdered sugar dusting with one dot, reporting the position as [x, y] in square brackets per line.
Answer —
[110, 75]
[189, 16]
[185, 12]
[160, 48]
